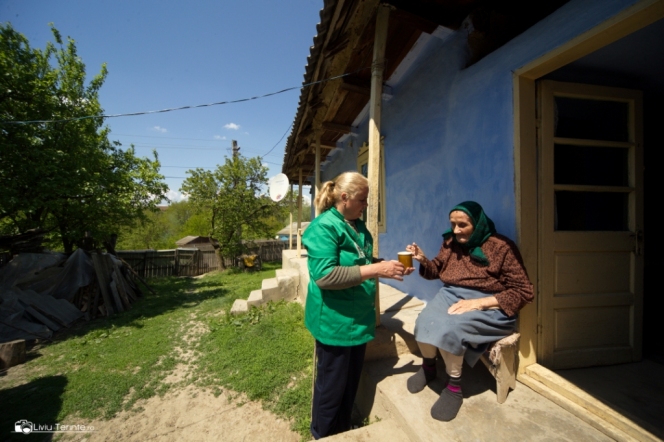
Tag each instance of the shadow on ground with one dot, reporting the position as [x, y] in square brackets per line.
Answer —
[38, 402]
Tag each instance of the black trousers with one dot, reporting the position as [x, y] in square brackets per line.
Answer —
[338, 371]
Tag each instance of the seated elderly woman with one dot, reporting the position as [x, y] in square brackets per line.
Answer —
[485, 286]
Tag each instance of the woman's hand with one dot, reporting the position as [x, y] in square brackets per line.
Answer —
[468, 305]
[418, 254]
[384, 269]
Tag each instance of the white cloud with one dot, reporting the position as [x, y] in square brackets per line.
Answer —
[160, 129]
[219, 137]
[232, 126]
[176, 195]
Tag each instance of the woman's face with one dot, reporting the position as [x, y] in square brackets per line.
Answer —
[355, 205]
[462, 226]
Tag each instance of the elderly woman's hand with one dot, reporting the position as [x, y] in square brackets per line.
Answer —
[468, 305]
[418, 254]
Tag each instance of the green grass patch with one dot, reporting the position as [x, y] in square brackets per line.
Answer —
[267, 354]
[102, 367]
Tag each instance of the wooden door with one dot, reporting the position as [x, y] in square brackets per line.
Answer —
[590, 221]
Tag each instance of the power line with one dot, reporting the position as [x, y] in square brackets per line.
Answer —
[282, 137]
[151, 146]
[212, 167]
[133, 114]
[168, 138]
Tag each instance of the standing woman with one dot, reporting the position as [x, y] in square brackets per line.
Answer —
[340, 310]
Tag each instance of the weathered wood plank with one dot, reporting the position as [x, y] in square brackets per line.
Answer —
[119, 283]
[59, 310]
[102, 277]
[116, 296]
[43, 319]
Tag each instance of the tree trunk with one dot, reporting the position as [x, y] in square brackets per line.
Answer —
[217, 253]
[66, 242]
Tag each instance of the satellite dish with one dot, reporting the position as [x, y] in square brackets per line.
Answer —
[278, 186]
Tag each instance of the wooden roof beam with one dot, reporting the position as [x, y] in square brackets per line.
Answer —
[428, 16]
[336, 127]
[351, 84]
[336, 47]
[329, 145]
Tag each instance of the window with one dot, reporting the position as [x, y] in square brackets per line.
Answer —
[363, 168]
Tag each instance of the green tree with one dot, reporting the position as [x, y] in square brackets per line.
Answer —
[64, 175]
[232, 197]
[160, 230]
[281, 219]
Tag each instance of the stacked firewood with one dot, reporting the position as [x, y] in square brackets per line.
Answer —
[113, 289]
[27, 242]
[41, 293]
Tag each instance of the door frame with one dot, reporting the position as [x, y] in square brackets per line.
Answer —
[622, 24]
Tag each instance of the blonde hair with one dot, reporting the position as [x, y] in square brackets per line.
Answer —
[330, 191]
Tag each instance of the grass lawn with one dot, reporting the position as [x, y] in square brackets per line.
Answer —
[181, 336]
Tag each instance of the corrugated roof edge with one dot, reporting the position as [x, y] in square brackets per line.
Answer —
[326, 15]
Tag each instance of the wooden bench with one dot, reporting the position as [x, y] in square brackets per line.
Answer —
[502, 360]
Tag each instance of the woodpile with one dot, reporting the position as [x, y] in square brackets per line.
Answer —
[27, 242]
[42, 293]
[118, 288]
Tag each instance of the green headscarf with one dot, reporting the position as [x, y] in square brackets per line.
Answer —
[483, 229]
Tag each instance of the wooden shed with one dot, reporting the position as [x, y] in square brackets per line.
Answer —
[196, 242]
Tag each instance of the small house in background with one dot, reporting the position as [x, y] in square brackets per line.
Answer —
[283, 233]
[195, 242]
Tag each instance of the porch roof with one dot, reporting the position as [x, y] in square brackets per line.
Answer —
[343, 46]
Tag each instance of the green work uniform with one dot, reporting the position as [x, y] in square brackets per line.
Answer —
[344, 317]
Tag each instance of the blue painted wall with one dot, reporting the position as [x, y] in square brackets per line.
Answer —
[449, 134]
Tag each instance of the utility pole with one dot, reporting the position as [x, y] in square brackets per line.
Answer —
[236, 149]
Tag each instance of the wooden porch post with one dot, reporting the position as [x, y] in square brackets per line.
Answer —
[299, 212]
[290, 220]
[377, 70]
[317, 170]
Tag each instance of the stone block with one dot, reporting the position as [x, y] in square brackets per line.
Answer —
[255, 298]
[239, 306]
[270, 289]
[12, 353]
[288, 280]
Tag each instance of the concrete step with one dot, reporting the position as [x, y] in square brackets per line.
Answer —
[383, 431]
[525, 415]
[612, 422]
[239, 306]
[288, 281]
[395, 336]
[270, 289]
[255, 298]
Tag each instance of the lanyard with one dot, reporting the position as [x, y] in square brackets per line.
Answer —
[363, 251]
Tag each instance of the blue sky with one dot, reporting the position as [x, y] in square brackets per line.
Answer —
[165, 54]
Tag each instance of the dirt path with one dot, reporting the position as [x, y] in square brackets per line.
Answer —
[193, 415]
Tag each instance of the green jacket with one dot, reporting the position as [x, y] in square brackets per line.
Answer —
[339, 317]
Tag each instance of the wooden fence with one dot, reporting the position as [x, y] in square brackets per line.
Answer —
[191, 262]
[268, 250]
[175, 262]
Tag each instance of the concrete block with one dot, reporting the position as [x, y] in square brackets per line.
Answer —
[526, 416]
[270, 289]
[386, 344]
[239, 306]
[385, 430]
[12, 353]
[255, 298]
[288, 280]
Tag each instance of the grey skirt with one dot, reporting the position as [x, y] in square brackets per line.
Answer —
[467, 334]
